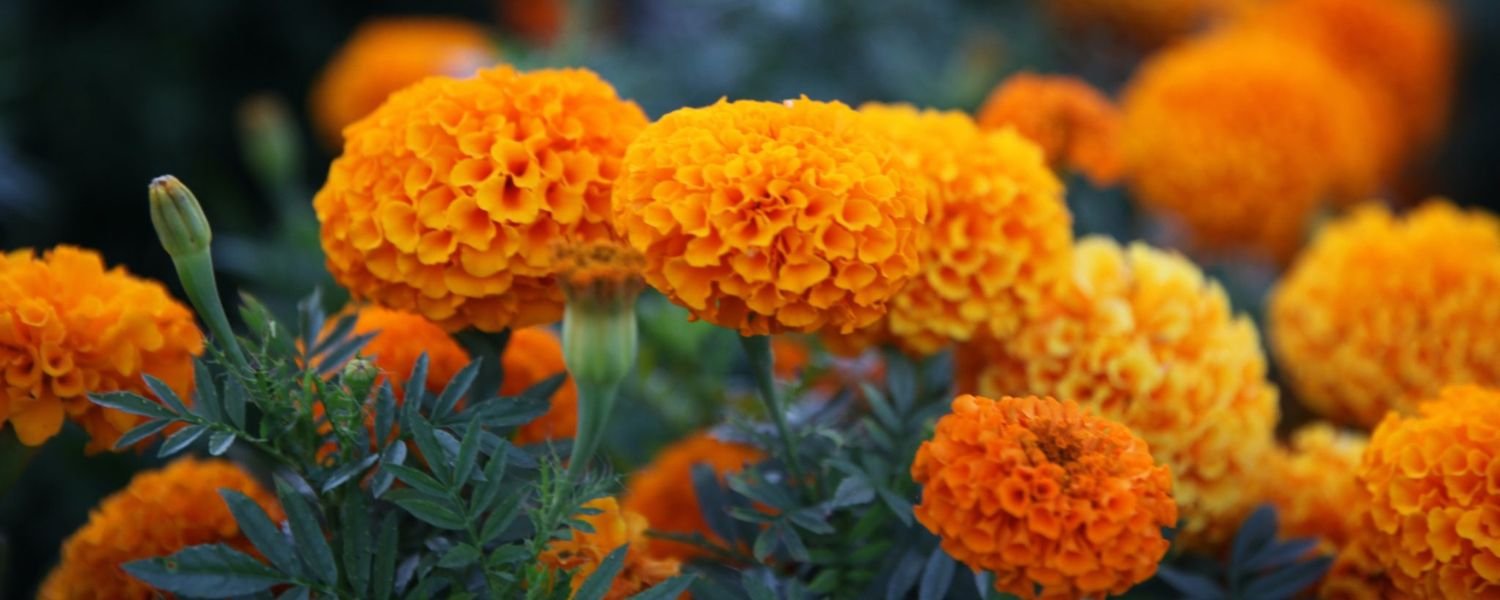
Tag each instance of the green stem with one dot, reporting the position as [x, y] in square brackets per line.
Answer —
[595, 402]
[758, 350]
[14, 456]
[196, 271]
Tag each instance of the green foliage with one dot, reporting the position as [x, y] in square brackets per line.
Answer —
[1258, 566]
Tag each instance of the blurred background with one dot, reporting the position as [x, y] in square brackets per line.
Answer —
[96, 98]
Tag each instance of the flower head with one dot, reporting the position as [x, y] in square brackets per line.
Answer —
[1312, 484]
[613, 527]
[68, 327]
[1076, 126]
[1382, 311]
[1046, 495]
[157, 514]
[1142, 337]
[385, 55]
[770, 217]
[449, 199]
[663, 491]
[400, 339]
[533, 355]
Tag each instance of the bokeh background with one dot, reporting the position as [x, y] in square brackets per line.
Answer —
[96, 98]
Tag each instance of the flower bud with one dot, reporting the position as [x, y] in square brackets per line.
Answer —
[359, 376]
[178, 218]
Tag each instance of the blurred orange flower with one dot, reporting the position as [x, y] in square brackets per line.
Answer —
[612, 528]
[663, 492]
[533, 355]
[1077, 127]
[1312, 484]
[403, 337]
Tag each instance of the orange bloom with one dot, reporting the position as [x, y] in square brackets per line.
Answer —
[1380, 311]
[1142, 23]
[1076, 126]
[385, 55]
[1142, 337]
[159, 513]
[1045, 495]
[449, 199]
[613, 528]
[663, 493]
[401, 339]
[1356, 573]
[1312, 485]
[68, 327]
[534, 354]
[767, 217]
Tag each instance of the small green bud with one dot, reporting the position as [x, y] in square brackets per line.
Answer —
[178, 218]
[359, 376]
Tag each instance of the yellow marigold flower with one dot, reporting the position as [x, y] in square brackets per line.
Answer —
[448, 200]
[1056, 501]
[770, 217]
[534, 354]
[1242, 137]
[1142, 337]
[663, 493]
[1312, 484]
[1143, 23]
[157, 514]
[1076, 126]
[68, 326]
[1434, 486]
[613, 528]
[385, 55]
[1381, 311]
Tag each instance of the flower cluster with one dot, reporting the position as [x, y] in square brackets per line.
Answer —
[69, 326]
[1056, 501]
[1312, 485]
[612, 527]
[1076, 126]
[663, 492]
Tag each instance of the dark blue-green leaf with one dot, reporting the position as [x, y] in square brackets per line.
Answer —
[459, 556]
[670, 589]
[346, 472]
[219, 442]
[1288, 582]
[437, 459]
[713, 502]
[416, 384]
[417, 479]
[455, 390]
[383, 570]
[179, 441]
[132, 403]
[394, 454]
[355, 531]
[235, 398]
[208, 571]
[1277, 554]
[937, 576]
[206, 393]
[1255, 533]
[905, 575]
[165, 393]
[307, 533]
[433, 511]
[598, 583]
[1190, 585]
[141, 432]
[263, 533]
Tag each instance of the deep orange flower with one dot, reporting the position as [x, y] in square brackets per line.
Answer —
[1356, 573]
[1056, 501]
[1142, 337]
[1381, 311]
[772, 217]
[1076, 126]
[1312, 485]
[157, 514]
[663, 492]
[613, 528]
[403, 337]
[68, 326]
[449, 199]
[534, 354]
[385, 55]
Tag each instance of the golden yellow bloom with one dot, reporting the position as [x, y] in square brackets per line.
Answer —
[1381, 311]
[1076, 126]
[1143, 23]
[1312, 484]
[613, 528]
[385, 55]
[663, 492]
[449, 199]
[1142, 337]
[157, 514]
[769, 217]
[1046, 495]
[534, 354]
[1242, 136]
[1434, 486]
[68, 326]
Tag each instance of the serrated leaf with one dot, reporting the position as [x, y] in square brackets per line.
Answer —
[416, 384]
[339, 354]
[132, 403]
[383, 569]
[598, 582]
[355, 533]
[235, 398]
[207, 571]
[1277, 554]
[261, 532]
[456, 388]
[1255, 533]
[670, 589]
[432, 511]
[810, 520]
[219, 442]
[904, 576]
[488, 348]
[756, 586]
[488, 491]
[394, 454]
[713, 502]
[468, 454]
[437, 459]
[347, 471]
[901, 380]
[385, 412]
[459, 556]
[179, 441]
[900, 506]
[307, 533]
[501, 518]
[165, 393]
[937, 576]
[417, 480]
[1288, 582]
[206, 392]
[141, 432]
[852, 491]
[510, 412]
[1191, 585]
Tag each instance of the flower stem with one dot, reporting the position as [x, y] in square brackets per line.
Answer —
[196, 271]
[595, 402]
[758, 350]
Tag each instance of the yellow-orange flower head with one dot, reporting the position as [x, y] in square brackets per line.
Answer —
[663, 493]
[1241, 137]
[157, 514]
[1076, 126]
[613, 528]
[1142, 337]
[1312, 485]
[69, 326]
[449, 199]
[1045, 495]
[533, 355]
[385, 55]
[1380, 311]
[772, 217]
[1434, 486]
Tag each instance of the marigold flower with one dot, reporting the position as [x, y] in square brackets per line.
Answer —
[1434, 486]
[1356, 573]
[533, 355]
[159, 513]
[449, 199]
[663, 492]
[1381, 311]
[1053, 499]
[1142, 337]
[772, 217]
[1312, 484]
[385, 55]
[68, 326]
[1076, 126]
[400, 339]
[613, 528]
[1242, 137]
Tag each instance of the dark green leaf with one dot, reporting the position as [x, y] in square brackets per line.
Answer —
[468, 454]
[937, 576]
[751, 485]
[1190, 585]
[296, 593]
[208, 571]
[1288, 582]
[713, 502]
[1258, 530]
[416, 385]
[385, 411]
[346, 472]
[1278, 554]
[179, 441]
[546, 388]
[417, 480]
[510, 412]
[307, 533]
[905, 575]
[501, 518]
[394, 454]
[165, 393]
[488, 491]
[756, 586]
[339, 354]
[792, 541]
[206, 392]
[141, 432]
[889, 421]
[433, 511]
[383, 570]
[261, 532]
[825, 583]
[670, 589]
[898, 505]
[598, 583]
[235, 398]
[219, 442]
[355, 531]
[852, 491]
[456, 388]
[437, 459]
[342, 327]
[811, 520]
[486, 348]
[310, 321]
[901, 380]
[132, 403]
[459, 556]
[765, 544]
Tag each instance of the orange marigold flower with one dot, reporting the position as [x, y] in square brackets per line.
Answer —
[385, 55]
[1434, 486]
[1142, 337]
[1381, 311]
[69, 326]
[401, 338]
[663, 493]
[157, 514]
[1056, 501]
[533, 355]
[613, 528]
[1076, 126]
[1356, 573]
[771, 217]
[1143, 23]
[1312, 484]
[1242, 137]
[448, 200]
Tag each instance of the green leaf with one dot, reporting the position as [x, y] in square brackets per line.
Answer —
[670, 589]
[765, 544]
[141, 432]
[510, 412]
[1288, 582]
[416, 385]
[1278, 554]
[487, 492]
[437, 459]
[338, 355]
[132, 403]
[417, 480]
[501, 518]
[756, 586]
[897, 504]
[598, 583]
[235, 398]
[713, 502]
[1258, 530]
[219, 442]
[433, 511]
[825, 583]
[792, 541]
[459, 556]
[852, 491]
[385, 412]
[207, 571]
[308, 534]
[165, 393]
[1190, 585]
[889, 421]
[261, 532]
[937, 576]
[904, 575]
[354, 531]
[296, 593]
[342, 327]
[456, 388]
[394, 454]
[310, 321]
[179, 441]
[383, 570]
[206, 392]
[486, 348]
[811, 520]
[468, 453]
[347, 471]
[901, 380]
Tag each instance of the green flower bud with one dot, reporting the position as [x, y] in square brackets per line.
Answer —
[178, 218]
